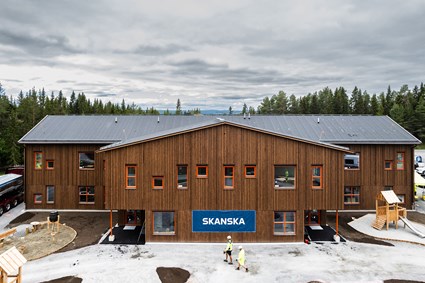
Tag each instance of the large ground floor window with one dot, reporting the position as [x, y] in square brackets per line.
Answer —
[351, 195]
[86, 194]
[164, 223]
[284, 223]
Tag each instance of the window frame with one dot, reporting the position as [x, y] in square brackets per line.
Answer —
[352, 195]
[127, 177]
[320, 177]
[255, 171]
[47, 194]
[277, 187]
[206, 171]
[79, 160]
[181, 187]
[232, 177]
[47, 164]
[38, 160]
[402, 161]
[390, 162]
[87, 195]
[35, 198]
[162, 182]
[166, 233]
[284, 222]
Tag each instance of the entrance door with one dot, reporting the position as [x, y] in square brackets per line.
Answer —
[311, 217]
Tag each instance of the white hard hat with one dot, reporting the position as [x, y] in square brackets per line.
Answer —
[240, 247]
[229, 237]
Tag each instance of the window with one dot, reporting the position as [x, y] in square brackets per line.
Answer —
[130, 176]
[50, 164]
[284, 177]
[250, 171]
[132, 217]
[158, 182]
[351, 195]
[388, 188]
[352, 161]
[50, 194]
[164, 223]
[229, 175]
[86, 160]
[317, 175]
[400, 161]
[388, 165]
[284, 223]
[401, 198]
[38, 198]
[182, 176]
[86, 194]
[38, 160]
[202, 171]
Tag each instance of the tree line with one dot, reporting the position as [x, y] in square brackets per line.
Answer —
[18, 115]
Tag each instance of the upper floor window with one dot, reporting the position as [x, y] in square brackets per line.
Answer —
[352, 161]
[86, 160]
[157, 182]
[284, 177]
[250, 171]
[38, 160]
[284, 223]
[182, 176]
[50, 194]
[351, 195]
[400, 161]
[202, 171]
[130, 176]
[86, 194]
[229, 175]
[388, 165]
[50, 164]
[317, 177]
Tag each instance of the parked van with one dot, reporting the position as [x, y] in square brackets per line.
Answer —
[11, 191]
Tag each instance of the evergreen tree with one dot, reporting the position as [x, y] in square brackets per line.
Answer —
[178, 107]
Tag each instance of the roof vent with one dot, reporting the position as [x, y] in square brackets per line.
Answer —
[249, 115]
[116, 120]
[318, 120]
[158, 120]
[244, 115]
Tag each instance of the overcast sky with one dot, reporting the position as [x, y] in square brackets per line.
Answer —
[210, 54]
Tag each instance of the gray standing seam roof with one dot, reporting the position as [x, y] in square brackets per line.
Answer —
[105, 130]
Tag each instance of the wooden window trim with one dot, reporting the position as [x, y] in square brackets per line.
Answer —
[35, 160]
[47, 194]
[86, 195]
[315, 177]
[187, 177]
[164, 233]
[285, 222]
[127, 177]
[206, 171]
[229, 177]
[47, 164]
[402, 161]
[38, 202]
[162, 182]
[351, 194]
[255, 171]
[391, 165]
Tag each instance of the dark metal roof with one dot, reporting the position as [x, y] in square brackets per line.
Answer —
[334, 129]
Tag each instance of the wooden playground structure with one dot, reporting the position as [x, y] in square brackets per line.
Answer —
[388, 210]
[11, 262]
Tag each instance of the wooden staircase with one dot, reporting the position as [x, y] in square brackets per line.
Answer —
[379, 222]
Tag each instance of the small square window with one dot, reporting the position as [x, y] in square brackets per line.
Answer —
[158, 182]
[50, 164]
[202, 171]
[250, 171]
[388, 164]
[38, 198]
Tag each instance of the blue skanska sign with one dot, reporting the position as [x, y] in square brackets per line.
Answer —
[223, 221]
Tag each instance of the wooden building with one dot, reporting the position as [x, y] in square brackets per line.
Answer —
[196, 178]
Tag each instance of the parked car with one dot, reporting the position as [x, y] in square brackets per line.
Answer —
[421, 170]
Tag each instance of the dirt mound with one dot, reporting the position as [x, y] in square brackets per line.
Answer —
[172, 274]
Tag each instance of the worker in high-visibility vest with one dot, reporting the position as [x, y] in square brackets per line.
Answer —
[241, 259]
[228, 250]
